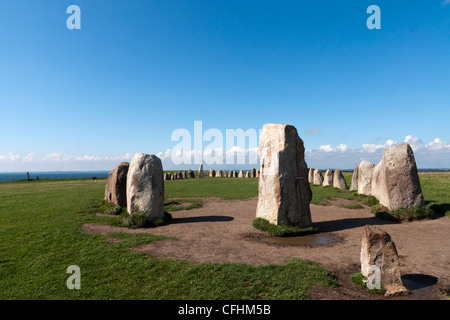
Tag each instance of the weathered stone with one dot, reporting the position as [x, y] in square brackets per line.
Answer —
[167, 176]
[241, 174]
[354, 185]
[253, 173]
[191, 173]
[328, 178]
[258, 172]
[230, 174]
[212, 173]
[145, 186]
[395, 181]
[247, 174]
[183, 174]
[200, 172]
[365, 177]
[116, 185]
[283, 189]
[378, 249]
[219, 174]
[317, 177]
[173, 176]
[311, 175]
[235, 174]
[339, 180]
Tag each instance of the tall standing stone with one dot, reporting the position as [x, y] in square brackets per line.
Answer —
[212, 173]
[257, 173]
[116, 185]
[365, 177]
[339, 180]
[328, 178]
[395, 181]
[241, 174]
[354, 185]
[191, 173]
[200, 172]
[219, 174]
[145, 186]
[317, 177]
[247, 174]
[253, 173]
[311, 175]
[283, 189]
[379, 251]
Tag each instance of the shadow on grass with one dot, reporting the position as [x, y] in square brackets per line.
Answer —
[441, 208]
[350, 223]
[201, 219]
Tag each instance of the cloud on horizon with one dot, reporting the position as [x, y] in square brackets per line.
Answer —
[434, 154]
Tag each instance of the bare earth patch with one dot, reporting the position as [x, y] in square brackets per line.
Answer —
[222, 231]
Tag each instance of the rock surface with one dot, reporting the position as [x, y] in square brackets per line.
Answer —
[116, 185]
[283, 189]
[395, 181]
[354, 185]
[365, 171]
[241, 174]
[200, 172]
[145, 186]
[339, 180]
[317, 178]
[328, 178]
[191, 173]
[311, 175]
[378, 249]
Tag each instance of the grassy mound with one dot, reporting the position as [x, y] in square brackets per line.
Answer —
[282, 230]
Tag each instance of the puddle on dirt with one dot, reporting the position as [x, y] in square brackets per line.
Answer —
[316, 239]
[421, 287]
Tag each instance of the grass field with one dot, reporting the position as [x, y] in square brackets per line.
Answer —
[40, 237]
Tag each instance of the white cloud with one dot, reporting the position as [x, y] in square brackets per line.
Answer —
[445, 2]
[438, 145]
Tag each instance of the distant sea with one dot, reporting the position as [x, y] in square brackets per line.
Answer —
[14, 176]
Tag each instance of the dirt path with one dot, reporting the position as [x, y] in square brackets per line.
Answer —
[221, 231]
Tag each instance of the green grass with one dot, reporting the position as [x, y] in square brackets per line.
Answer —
[174, 204]
[282, 230]
[41, 237]
[226, 188]
[435, 188]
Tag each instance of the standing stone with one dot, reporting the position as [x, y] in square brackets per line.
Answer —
[283, 189]
[241, 174]
[167, 176]
[116, 185]
[328, 178]
[212, 173]
[339, 180]
[145, 186]
[365, 177]
[257, 173]
[191, 173]
[183, 175]
[311, 175]
[317, 177]
[378, 249]
[173, 176]
[219, 174]
[354, 185]
[253, 173]
[395, 181]
[247, 174]
[235, 174]
[200, 172]
[230, 174]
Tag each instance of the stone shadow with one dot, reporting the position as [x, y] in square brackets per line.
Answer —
[201, 219]
[350, 223]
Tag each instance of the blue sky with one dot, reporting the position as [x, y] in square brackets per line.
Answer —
[138, 70]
